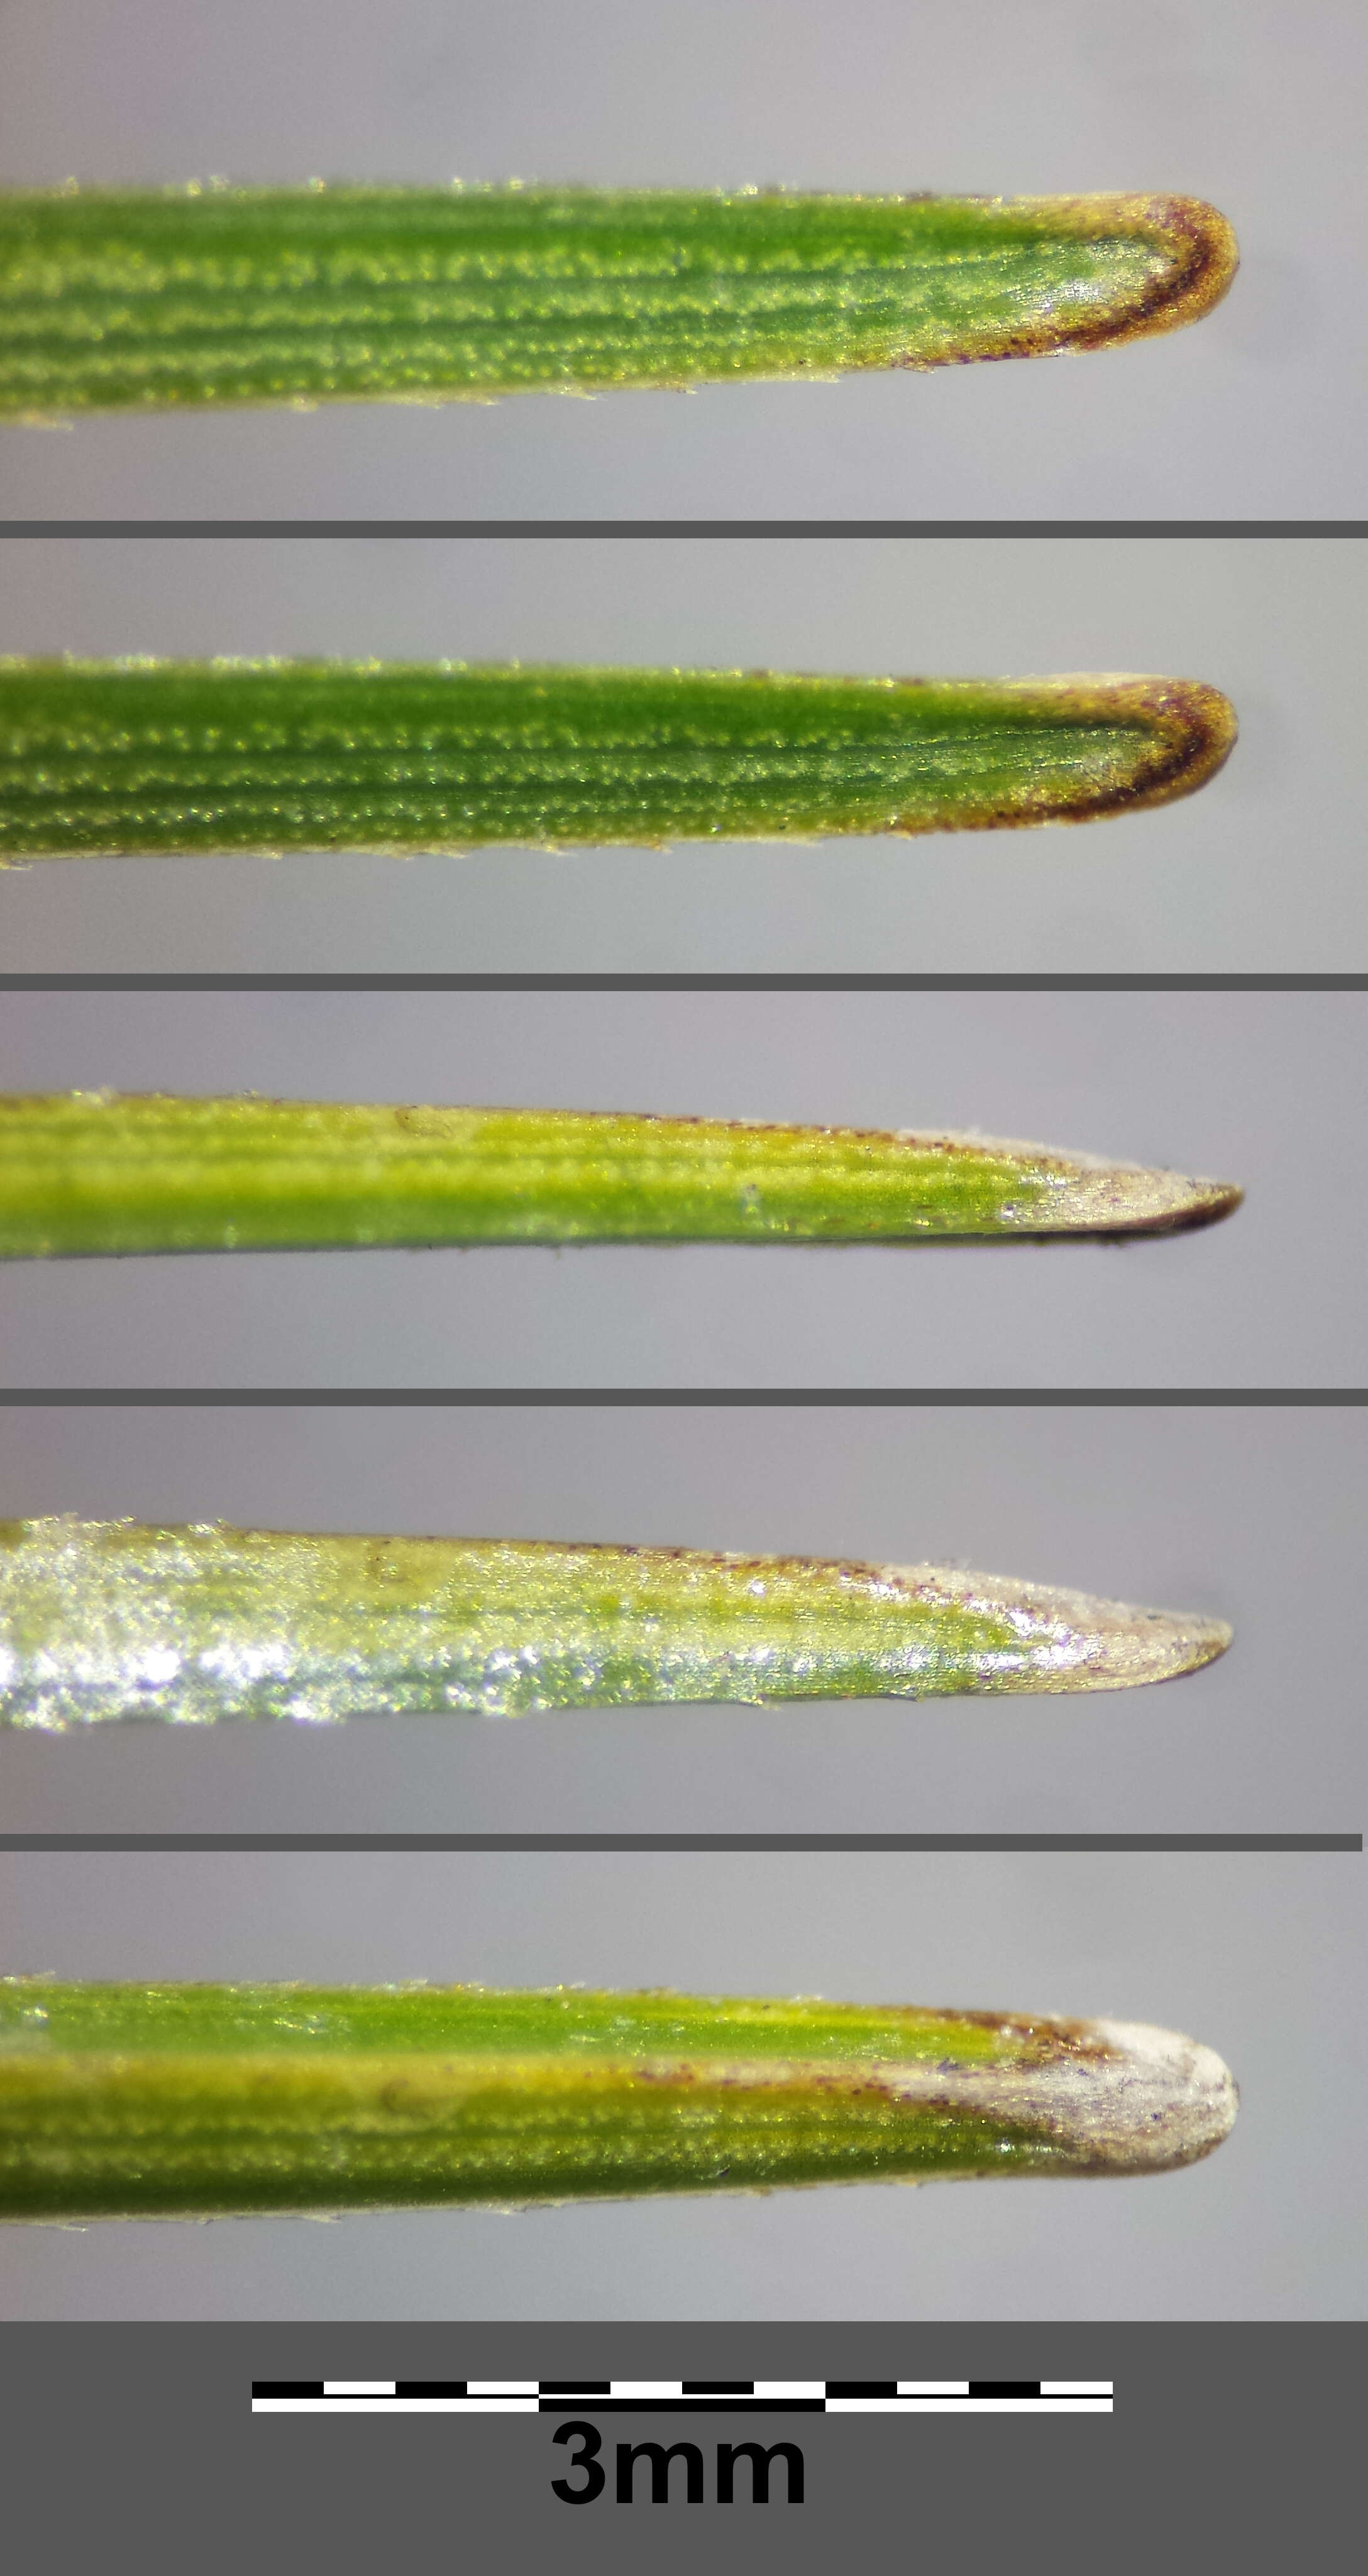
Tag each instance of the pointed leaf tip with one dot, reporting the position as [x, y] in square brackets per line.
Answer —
[108, 1621]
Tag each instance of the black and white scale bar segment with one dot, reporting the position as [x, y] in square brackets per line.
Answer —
[681, 2397]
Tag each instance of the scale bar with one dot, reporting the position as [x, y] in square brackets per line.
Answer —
[682, 2397]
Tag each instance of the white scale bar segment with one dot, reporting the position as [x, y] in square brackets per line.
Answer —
[641, 2388]
[790, 2388]
[465, 2405]
[968, 2406]
[1076, 2388]
[358, 2387]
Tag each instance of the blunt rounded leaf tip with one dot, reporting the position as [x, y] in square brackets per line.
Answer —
[196, 2100]
[147, 758]
[118, 299]
[108, 1620]
[96, 1172]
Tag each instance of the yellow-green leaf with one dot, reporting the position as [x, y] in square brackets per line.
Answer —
[105, 1620]
[159, 2101]
[90, 1172]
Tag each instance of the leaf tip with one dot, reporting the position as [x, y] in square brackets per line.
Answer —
[1135, 1646]
[1121, 1200]
[1172, 2100]
[1200, 257]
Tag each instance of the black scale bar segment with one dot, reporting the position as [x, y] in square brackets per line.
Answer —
[287, 2388]
[861, 2387]
[717, 2388]
[430, 2388]
[1004, 2388]
[575, 2387]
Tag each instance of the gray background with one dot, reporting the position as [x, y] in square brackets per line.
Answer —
[1260, 1088]
[1253, 1514]
[1256, 104]
[1257, 1956]
[1261, 871]
[1255, 412]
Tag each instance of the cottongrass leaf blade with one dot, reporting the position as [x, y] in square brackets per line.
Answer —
[176, 297]
[150, 758]
[102, 1621]
[194, 2101]
[103, 1172]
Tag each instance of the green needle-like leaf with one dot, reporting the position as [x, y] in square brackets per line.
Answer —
[141, 758]
[166, 2101]
[93, 1172]
[104, 1620]
[268, 295]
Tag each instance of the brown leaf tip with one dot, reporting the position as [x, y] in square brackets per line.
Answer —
[1203, 258]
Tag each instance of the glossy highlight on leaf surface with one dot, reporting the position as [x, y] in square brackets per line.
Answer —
[94, 1172]
[160, 2101]
[114, 299]
[149, 758]
[107, 1620]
